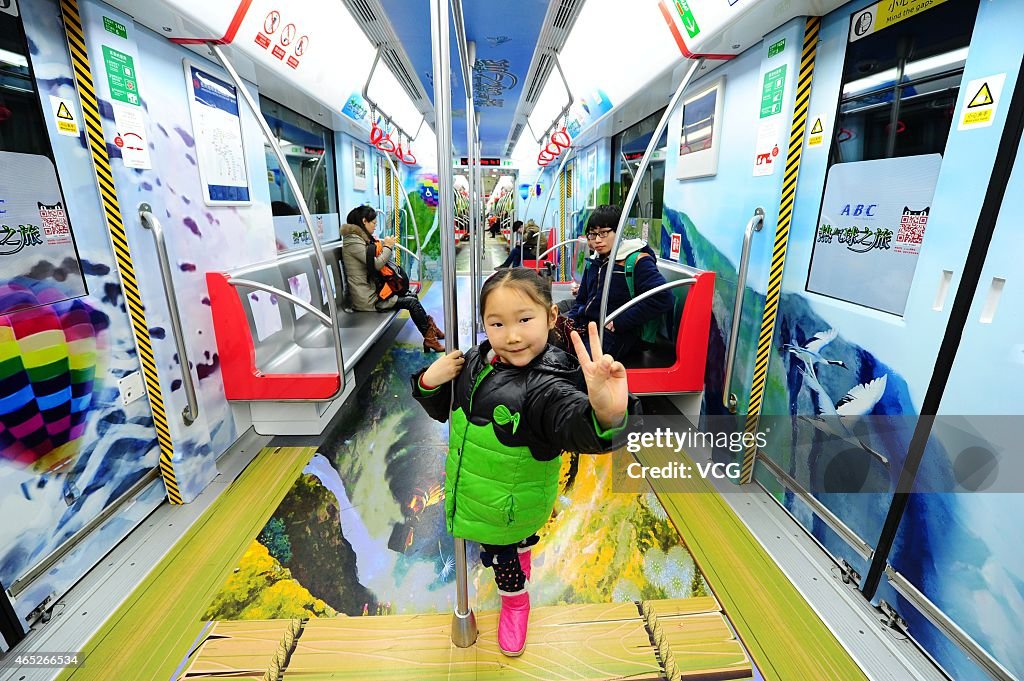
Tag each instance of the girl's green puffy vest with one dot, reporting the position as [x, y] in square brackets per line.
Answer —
[495, 494]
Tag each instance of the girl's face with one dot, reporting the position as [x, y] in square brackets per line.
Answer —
[517, 326]
[370, 225]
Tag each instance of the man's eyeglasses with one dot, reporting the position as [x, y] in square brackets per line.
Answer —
[602, 233]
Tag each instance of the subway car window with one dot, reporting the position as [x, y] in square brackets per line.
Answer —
[38, 255]
[627, 150]
[900, 86]
[309, 148]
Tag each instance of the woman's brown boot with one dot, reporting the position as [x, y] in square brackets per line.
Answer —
[439, 332]
[430, 342]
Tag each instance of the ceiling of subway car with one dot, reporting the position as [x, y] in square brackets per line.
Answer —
[506, 35]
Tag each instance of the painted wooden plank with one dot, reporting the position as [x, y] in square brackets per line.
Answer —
[150, 632]
[584, 642]
[670, 607]
[696, 629]
[786, 638]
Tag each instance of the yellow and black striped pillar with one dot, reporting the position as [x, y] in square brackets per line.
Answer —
[112, 211]
[771, 304]
[391, 191]
[562, 184]
[396, 203]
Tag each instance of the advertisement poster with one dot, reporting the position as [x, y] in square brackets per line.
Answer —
[218, 133]
[292, 233]
[873, 221]
[36, 243]
[358, 168]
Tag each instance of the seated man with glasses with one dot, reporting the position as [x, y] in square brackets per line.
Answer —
[623, 334]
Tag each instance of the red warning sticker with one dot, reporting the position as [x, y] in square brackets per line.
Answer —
[293, 62]
[262, 40]
[278, 52]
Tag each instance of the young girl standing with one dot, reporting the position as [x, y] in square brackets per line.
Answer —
[516, 408]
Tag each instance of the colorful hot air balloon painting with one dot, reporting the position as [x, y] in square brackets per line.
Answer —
[428, 189]
[48, 352]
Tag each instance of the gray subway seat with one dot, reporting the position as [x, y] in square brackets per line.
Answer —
[303, 345]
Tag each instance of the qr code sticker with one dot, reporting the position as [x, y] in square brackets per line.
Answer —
[55, 224]
[912, 226]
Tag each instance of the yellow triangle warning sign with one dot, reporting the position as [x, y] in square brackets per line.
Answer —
[983, 98]
[816, 129]
[63, 113]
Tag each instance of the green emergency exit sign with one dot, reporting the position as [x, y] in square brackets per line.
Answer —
[686, 15]
[115, 27]
[776, 48]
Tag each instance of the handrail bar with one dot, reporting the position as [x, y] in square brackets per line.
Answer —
[375, 107]
[412, 214]
[634, 187]
[293, 184]
[647, 294]
[191, 411]
[295, 300]
[414, 255]
[561, 115]
[578, 240]
[730, 400]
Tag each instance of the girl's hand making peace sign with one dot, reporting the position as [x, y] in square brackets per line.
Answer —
[606, 380]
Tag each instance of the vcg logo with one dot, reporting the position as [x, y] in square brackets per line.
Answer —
[860, 209]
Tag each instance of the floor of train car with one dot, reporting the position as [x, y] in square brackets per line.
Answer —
[275, 578]
[361, 532]
[495, 252]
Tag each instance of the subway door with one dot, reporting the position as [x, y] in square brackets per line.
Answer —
[77, 439]
[905, 124]
[962, 550]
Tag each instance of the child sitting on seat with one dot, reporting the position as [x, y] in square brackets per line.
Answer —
[516, 408]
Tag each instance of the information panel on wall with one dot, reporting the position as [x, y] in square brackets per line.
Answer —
[37, 248]
[873, 221]
[217, 126]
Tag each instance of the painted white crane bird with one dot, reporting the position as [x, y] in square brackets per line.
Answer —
[810, 354]
[858, 402]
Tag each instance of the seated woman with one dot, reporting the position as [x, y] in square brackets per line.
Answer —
[363, 284]
[533, 241]
[515, 255]
[623, 334]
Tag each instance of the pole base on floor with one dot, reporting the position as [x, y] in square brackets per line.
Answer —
[464, 631]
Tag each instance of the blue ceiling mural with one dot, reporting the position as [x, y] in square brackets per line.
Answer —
[506, 36]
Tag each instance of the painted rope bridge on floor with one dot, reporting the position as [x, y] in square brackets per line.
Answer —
[674, 639]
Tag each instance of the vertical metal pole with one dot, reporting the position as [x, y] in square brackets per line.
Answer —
[464, 631]
[478, 173]
[476, 247]
[268, 134]
[634, 187]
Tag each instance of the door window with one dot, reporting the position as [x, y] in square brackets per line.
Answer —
[899, 94]
[38, 257]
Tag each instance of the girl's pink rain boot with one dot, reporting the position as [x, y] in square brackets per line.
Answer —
[513, 621]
